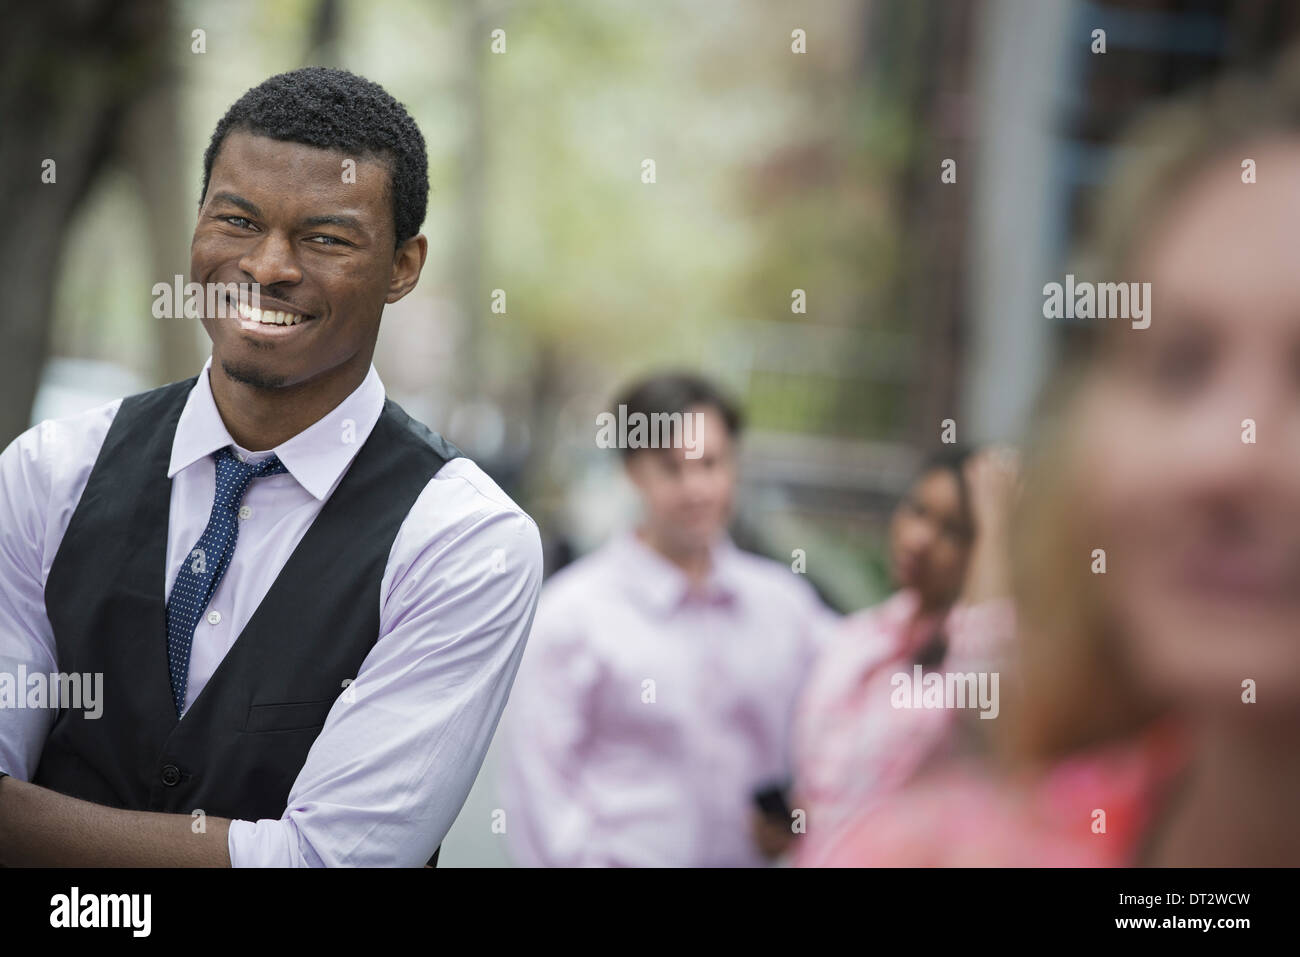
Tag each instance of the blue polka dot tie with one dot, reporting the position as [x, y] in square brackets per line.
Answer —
[206, 562]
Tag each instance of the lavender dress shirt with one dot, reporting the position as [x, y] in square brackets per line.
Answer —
[647, 712]
[399, 751]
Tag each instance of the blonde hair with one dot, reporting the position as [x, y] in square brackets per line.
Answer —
[1072, 690]
[1169, 144]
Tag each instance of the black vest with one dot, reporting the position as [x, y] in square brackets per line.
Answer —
[241, 744]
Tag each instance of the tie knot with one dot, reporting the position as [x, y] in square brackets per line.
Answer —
[233, 474]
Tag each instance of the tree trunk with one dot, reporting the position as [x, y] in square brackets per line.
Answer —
[68, 75]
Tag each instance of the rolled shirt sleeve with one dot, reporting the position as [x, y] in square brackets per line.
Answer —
[42, 474]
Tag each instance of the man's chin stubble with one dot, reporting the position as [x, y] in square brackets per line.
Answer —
[251, 375]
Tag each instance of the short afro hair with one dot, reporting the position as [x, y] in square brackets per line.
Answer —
[335, 109]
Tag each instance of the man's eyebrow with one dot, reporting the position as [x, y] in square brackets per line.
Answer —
[336, 219]
[332, 219]
[239, 201]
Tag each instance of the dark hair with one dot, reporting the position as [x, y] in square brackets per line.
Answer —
[946, 458]
[951, 459]
[671, 392]
[335, 109]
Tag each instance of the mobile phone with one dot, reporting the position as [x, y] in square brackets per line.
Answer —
[773, 800]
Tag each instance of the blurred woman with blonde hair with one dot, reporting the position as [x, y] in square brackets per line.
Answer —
[1153, 714]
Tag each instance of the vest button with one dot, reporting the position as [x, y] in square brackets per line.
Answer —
[171, 775]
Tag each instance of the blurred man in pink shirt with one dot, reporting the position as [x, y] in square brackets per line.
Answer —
[656, 694]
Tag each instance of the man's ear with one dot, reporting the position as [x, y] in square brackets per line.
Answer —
[408, 261]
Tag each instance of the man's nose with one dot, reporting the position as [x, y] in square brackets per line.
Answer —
[271, 260]
[693, 477]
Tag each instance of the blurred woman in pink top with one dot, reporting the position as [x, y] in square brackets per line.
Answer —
[853, 740]
[1154, 718]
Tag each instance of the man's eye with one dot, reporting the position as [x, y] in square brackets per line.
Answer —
[330, 240]
[239, 221]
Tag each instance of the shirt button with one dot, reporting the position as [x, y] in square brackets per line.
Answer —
[171, 775]
[214, 618]
[245, 511]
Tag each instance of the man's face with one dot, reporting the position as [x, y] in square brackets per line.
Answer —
[281, 215]
[688, 501]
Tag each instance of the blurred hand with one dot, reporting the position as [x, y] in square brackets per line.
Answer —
[771, 837]
[993, 479]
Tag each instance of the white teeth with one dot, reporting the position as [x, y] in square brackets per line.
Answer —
[269, 316]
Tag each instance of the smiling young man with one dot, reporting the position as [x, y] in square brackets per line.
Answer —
[307, 609]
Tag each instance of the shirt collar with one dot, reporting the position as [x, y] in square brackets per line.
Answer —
[664, 587]
[901, 615]
[316, 457]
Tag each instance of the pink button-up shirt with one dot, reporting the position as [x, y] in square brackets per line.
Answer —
[852, 745]
[646, 713]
